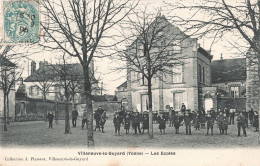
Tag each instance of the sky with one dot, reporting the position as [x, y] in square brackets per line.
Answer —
[103, 66]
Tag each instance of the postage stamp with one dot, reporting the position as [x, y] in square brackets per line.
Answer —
[21, 21]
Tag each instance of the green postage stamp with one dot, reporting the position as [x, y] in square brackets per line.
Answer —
[21, 21]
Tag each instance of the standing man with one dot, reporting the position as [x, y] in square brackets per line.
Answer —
[210, 124]
[256, 121]
[226, 111]
[225, 118]
[187, 120]
[245, 113]
[251, 116]
[50, 118]
[136, 122]
[117, 123]
[183, 108]
[241, 122]
[84, 119]
[220, 121]
[231, 117]
[177, 122]
[74, 115]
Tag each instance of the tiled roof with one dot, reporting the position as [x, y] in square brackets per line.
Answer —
[111, 97]
[205, 53]
[228, 70]
[49, 72]
[4, 61]
[123, 85]
[98, 98]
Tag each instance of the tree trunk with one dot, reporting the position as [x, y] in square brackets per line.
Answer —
[56, 113]
[67, 117]
[7, 108]
[45, 107]
[259, 85]
[87, 90]
[5, 122]
[150, 107]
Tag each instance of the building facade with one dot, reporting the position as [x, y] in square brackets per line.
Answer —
[190, 84]
[7, 70]
[229, 75]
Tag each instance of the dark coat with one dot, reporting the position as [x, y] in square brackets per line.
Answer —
[127, 123]
[241, 121]
[177, 121]
[117, 121]
[210, 121]
[145, 122]
[50, 117]
[187, 119]
[196, 122]
[225, 119]
[220, 120]
[136, 119]
[162, 123]
[74, 114]
[256, 121]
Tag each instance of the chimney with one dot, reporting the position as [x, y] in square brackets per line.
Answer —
[33, 67]
[221, 56]
[43, 63]
[21, 81]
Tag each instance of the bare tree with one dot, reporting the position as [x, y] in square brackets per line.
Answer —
[43, 78]
[77, 29]
[8, 79]
[153, 53]
[218, 18]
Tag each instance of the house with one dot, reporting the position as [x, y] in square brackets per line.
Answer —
[121, 91]
[191, 84]
[7, 70]
[47, 77]
[229, 75]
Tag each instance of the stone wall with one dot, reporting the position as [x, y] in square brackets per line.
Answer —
[252, 83]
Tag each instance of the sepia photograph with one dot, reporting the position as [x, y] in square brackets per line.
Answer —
[109, 82]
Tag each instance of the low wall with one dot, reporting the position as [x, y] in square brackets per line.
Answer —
[232, 103]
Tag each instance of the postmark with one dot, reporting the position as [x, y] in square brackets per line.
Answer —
[21, 21]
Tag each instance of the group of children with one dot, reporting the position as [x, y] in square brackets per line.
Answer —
[186, 117]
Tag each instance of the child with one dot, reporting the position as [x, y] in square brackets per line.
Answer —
[225, 118]
[162, 124]
[177, 122]
[127, 123]
[117, 123]
[210, 124]
[50, 117]
[145, 122]
[220, 121]
[196, 122]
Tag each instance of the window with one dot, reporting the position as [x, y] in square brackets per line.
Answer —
[34, 90]
[203, 74]
[178, 100]
[142, 80]
[234, 91]
[199, 73]
[144, 102]
[177, 46]
[177, 73]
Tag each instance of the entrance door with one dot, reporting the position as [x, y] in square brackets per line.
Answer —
[23, 112]
[208, 104]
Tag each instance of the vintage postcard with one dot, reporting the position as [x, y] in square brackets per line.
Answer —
[128, 82]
